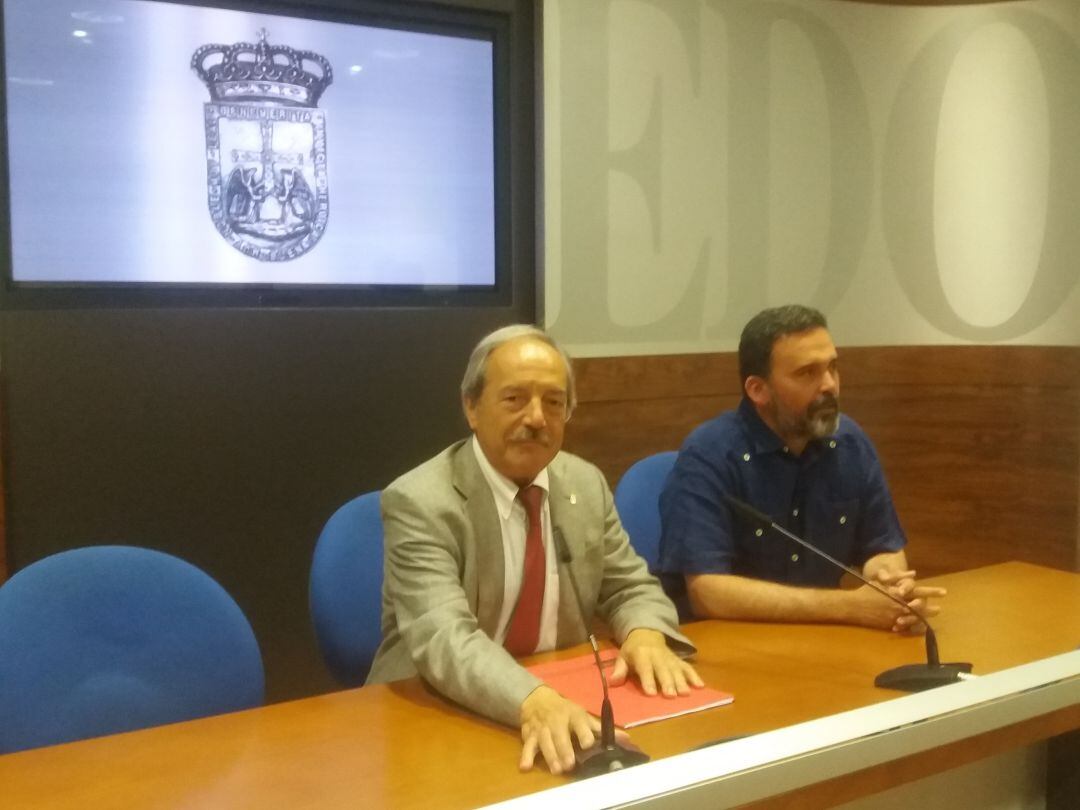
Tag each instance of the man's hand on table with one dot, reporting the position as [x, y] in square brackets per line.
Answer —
[549, 722]
[645, 653]
[888, 615]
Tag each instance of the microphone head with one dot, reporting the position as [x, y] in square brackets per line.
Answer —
[746, 511]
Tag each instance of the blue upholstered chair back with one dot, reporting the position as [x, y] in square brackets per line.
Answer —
[105, 639]
[346, 589]
[637, 497]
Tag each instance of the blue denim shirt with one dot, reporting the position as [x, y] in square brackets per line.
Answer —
[834, 495]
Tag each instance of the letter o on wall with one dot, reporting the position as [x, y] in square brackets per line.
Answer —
[908, 173]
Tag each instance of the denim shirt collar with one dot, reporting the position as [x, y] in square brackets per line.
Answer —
[762, 438]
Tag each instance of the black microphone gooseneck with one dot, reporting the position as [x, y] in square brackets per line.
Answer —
[907, 678]
[608, 756]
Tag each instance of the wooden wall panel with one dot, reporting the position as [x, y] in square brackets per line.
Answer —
[981, 444]
[630, 407]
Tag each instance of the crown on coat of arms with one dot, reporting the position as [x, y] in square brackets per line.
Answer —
[275, 74]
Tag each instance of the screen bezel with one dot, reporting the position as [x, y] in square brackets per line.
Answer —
[486, 24]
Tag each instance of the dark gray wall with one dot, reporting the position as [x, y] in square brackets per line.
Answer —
[228, 437]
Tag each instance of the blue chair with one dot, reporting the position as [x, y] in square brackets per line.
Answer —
[637, 498]
[346, 589]
[105, 639]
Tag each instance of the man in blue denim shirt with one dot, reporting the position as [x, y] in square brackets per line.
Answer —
[788, 452]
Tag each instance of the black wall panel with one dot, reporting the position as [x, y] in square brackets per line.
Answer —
[229, 436]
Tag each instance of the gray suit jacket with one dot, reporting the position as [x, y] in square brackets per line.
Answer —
[443, 580]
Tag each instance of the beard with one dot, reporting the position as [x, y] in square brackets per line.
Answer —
[820, 419]
[823, 416]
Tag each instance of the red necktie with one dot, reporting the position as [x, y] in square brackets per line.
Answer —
[524, 632]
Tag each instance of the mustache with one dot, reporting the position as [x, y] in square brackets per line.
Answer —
[826, 402]
[528, 434]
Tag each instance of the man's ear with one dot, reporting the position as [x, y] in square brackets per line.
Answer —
[757, 389]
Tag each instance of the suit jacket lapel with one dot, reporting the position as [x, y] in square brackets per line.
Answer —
[562, 504]
[483, 519]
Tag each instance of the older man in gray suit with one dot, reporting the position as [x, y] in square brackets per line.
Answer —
[472, 574]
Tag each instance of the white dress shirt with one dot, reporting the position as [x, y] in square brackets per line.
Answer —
[512, 519]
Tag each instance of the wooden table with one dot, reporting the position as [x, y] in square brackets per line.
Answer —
[399, 746]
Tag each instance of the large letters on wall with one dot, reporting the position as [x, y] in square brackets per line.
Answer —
[911, 171]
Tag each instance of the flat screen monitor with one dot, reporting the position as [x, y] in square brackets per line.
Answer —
[255, 154]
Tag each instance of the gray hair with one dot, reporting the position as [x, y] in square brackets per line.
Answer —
[764, 329]
[472, 384]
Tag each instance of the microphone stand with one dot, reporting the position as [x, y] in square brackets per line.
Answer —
[906, 678]
[609, 756]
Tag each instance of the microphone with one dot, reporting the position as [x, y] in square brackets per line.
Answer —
[907, 678]
[609, 756]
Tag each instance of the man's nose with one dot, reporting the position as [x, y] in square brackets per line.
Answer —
[534, 413]
[830, 382]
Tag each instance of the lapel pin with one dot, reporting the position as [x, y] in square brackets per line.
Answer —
[573, 498]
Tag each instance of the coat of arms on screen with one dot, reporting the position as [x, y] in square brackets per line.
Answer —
[265, 146]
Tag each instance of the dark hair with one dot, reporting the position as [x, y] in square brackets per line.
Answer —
[764, 329]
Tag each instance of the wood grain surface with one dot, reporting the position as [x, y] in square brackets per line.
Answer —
[400, 746]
